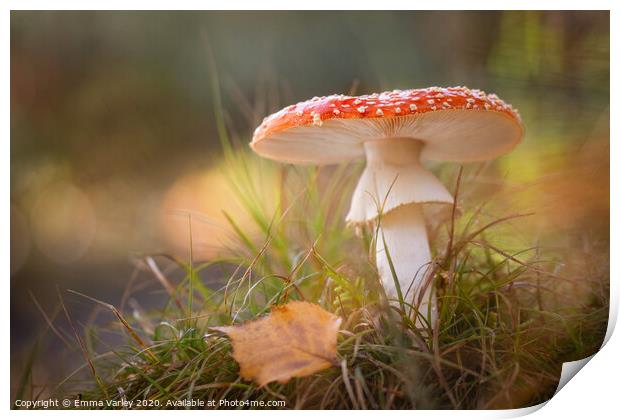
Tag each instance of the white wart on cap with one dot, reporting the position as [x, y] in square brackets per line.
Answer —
[456, 124]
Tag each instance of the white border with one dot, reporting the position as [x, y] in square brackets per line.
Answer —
[592, 395]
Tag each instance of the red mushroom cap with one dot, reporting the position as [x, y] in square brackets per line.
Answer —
[456, 123]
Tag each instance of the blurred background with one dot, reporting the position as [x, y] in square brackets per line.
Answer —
[114, 140]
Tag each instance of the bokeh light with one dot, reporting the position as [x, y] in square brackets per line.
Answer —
[63, 223]
[205, 196]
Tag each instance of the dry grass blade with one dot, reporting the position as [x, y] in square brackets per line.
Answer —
[453, 212]
[48, 321]
[91, 365]
[167, 285]
[122, 320]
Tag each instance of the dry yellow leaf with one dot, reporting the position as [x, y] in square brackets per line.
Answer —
[296, 339]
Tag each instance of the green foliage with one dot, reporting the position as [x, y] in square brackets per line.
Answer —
[499, 343]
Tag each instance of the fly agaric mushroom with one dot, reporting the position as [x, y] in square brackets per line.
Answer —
[394, 131]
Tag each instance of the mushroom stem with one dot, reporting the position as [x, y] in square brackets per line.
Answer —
[393, 188]
[403, 231]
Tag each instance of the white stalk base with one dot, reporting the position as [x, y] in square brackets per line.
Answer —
[404, 232]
